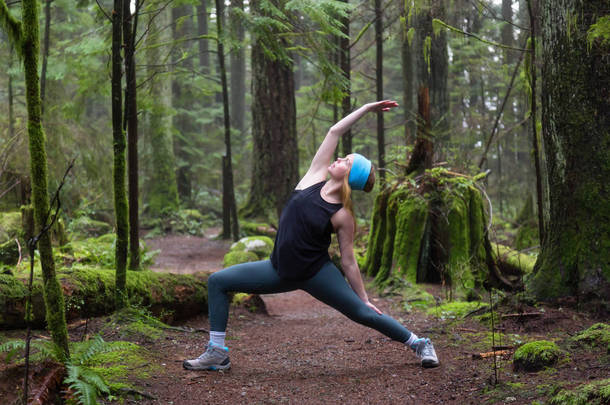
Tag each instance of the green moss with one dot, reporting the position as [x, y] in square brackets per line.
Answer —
[130, 361]
[410, 225]
[9, 253]
[261, 246]
[10, 225]
[454, 310]
[233, 258]
[597, 335]
[84, 227]
[518, 262]
[256, 228]
[536, 355]
[376, 234]
[595, 393]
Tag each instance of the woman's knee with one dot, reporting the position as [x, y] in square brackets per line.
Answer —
[364, 315]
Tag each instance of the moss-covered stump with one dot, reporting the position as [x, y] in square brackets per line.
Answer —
[510, 261]
[527, 231]
[433, 228]
[594, 393]
[535, 356]
[90, 292]
[261, 246]
[597, 335]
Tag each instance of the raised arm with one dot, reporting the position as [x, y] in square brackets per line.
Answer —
[319, 165]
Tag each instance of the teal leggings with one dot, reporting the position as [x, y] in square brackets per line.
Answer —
[328, 286]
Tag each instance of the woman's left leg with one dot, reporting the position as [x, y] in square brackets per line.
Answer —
[330, 287]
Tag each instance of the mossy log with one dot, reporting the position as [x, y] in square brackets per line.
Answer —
[89, 292]
[433, 228]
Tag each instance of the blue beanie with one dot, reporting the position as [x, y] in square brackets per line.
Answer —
[359, 174]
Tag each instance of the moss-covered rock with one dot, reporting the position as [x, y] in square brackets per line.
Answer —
[512, 261]
[233, 258]
[83, 227]
[594, 393]
[90, 292]
[597, 335]
[261, 246]
[536, 356]
[10, 225]
[9, 253]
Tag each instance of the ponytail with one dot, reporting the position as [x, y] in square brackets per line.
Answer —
[346, 198]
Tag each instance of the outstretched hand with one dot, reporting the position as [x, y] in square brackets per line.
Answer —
[384, 105]
[373, 307]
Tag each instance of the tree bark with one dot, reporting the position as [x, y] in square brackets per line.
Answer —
[379, 87]
[182, 99]
[130, 125]
[423, 151]
[275, 157]
[575, 255]
[53, 296]
[45, 53]
[163, 189]
[346, 67]
[408, 78]
[202, 24]
[228, 193]
[238, 73]
[119, 146]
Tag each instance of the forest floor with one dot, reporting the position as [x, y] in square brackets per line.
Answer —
[299, 351]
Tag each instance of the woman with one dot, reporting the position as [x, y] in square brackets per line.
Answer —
[300, 257]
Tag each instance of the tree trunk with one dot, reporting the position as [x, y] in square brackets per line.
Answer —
[131, 126]
[202, 24]
[439, 71]
[423, 151]
[45, 53]
[408, 77]
[119, 145]
[238, 73]
[575, 255]
[11, 96]
[228, 193]
[275, 156]
[53, 296]
[182, 99]
[379, 88]
[163, 189]
[346, 67]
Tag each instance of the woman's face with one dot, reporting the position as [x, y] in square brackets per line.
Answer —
[340, 167]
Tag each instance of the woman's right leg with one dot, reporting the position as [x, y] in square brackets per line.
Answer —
[254, 278]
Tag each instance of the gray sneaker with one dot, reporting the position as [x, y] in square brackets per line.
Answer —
[425, 351]
[214, 358]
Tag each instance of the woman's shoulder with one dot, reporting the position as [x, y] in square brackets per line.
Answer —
[342, 219]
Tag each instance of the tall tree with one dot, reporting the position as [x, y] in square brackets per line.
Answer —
[238, 70]
[345, 63]
[275, 157]
[45, 52]
[229, 208]
[130, 126]
[163, 189]
[182, 99]
[119, 145]
[202, 29]
[379, 86]
[24, 36]
[575, 254]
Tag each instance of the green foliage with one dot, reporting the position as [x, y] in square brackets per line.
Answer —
[534, 356]
[455, 310]
[184, 221]
[9, 253]
[10, 225]
[594, 393]
[83, 227]
[599, 31]
[597, 335]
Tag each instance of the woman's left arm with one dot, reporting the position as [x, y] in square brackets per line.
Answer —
[344, 224]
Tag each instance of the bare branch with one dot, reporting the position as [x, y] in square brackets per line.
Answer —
[103, 11]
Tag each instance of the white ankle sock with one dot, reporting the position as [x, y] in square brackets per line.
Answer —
[218, 338]
[411, 340]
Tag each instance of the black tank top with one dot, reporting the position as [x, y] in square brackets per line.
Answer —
[303, 237]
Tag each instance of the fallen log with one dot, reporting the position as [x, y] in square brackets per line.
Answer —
[491, 354]
[89, 292]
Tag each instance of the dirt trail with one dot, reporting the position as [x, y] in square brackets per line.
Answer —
[301, 352]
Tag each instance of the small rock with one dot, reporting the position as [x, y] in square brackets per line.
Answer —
[510, 399]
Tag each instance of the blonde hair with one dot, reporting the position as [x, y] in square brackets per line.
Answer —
[346, 192]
